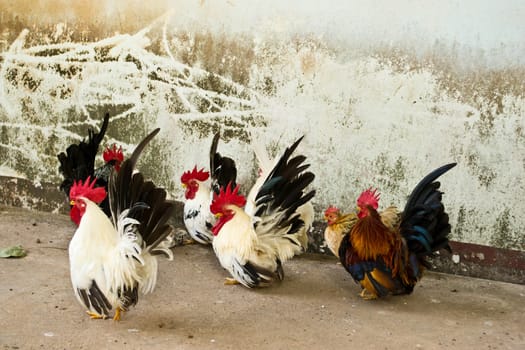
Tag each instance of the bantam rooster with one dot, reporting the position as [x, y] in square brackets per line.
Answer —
[253, 245]
[78, 163]
[199, 193]
[111, 259]
[386, 252]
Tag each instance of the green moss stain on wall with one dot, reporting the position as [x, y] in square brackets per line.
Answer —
[506, 235]
[229, 127]
[392, 172]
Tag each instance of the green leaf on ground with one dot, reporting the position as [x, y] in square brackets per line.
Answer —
[15, 251]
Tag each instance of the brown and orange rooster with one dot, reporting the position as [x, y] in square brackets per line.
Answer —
[386, 252]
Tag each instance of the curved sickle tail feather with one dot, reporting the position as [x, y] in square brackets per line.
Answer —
[285, 185]
[424, 223]
[278, 200]
[128, 189]
[223, 170]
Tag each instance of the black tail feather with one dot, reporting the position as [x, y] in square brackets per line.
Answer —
[283, 161]
[223, 169]
[78, 162]
[127, 188]
[424, 223]
[418, 193]
[284, 189]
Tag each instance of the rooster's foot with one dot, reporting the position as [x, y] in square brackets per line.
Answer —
[117, 315]
[188, 241]
[366, 295]
[230, 281]
[95, 316]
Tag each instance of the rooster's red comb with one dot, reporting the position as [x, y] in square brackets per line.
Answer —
[87, 190]
[369, 197]
[331, 210]
[199, 175]
[227, 197]
[113, 153]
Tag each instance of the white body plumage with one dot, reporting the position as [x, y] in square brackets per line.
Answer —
[113, 259]
[238, 244]
[197, 216]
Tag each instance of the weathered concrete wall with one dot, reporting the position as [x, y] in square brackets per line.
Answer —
[383, 92]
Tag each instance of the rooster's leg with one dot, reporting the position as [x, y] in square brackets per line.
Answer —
[230, 281]
[95, 316]
[116, 317]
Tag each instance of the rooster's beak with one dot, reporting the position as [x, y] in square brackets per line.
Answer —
[218, 215]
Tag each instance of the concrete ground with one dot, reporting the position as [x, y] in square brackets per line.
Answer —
[316, 307]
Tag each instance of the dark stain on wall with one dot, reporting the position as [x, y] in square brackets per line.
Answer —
[392, 174]
[230, 128]
[155, 164]
[23, 193]
[466, 221]
[461, 222]
[218, 53]
[503, 235]
[484, 174]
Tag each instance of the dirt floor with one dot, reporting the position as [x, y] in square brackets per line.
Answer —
[316, 307]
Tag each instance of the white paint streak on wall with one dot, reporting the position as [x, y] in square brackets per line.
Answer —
[368, 120]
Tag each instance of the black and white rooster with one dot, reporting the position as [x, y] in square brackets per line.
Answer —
[199, 193]
[111, 258]
[253, 244]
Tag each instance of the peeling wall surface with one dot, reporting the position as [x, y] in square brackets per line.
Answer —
[384, 92]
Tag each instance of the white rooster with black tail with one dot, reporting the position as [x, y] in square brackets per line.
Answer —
[111, 259]
[252, 245]
[199, 193]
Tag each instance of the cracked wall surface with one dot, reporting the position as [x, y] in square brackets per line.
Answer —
[384, 93]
